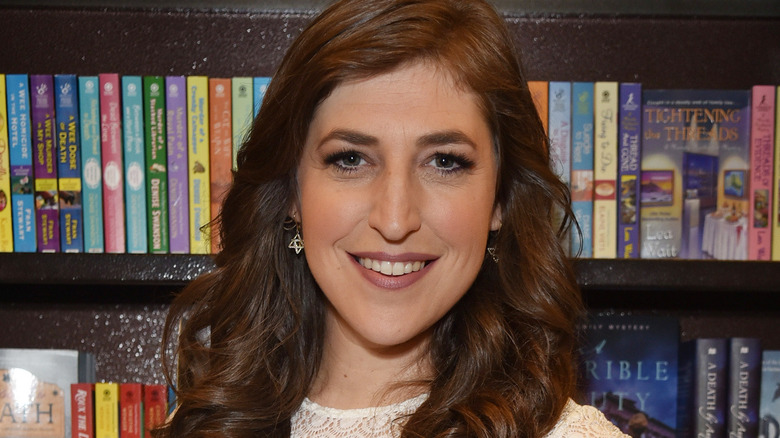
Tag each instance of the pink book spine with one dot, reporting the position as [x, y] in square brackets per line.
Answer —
[111, 148]
[762, 130]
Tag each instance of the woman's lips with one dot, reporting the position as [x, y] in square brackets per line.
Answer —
[393, 272]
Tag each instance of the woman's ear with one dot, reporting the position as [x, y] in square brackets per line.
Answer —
[495, 220]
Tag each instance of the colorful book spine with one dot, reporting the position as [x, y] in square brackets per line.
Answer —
[91, 168]
[156, 164]
[178, 188]
[155, 407]
[703, 388]
[770, 399]
[259, 86]
[559, 125]
[762, 131]
[69, 162]
[221, 149]
[605, 169]
[82, 403]
[113, 168]
[540, 93]
[45, 163]
[131, 421]
[744, 394]
[198, 163]
[241, 89]
[106, 410]
[134, 161]
[776, 185]
[582, 167]
[629, 144]
[6, 218]
[20, 145]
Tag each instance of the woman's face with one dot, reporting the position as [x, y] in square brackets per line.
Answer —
[397, 185]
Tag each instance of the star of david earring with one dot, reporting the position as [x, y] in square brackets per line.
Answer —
[297, 241]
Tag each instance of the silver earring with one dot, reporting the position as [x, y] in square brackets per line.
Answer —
[492, 251]
[297, 241]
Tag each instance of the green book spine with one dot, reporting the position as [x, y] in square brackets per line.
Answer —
[242, 112]
[156, 164]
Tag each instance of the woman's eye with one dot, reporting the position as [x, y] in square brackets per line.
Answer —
[347, 160]
[450, 162]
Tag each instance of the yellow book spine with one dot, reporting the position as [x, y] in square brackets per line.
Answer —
[198, 162]
[6, 226]
[605, 149]
[106, 410]
[774, 215]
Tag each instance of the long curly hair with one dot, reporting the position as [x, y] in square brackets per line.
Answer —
[248, 336]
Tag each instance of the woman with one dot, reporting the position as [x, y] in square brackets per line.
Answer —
[389, 262]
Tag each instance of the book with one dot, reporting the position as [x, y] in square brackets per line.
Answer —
[155, 407]
[82, 404]
[769, 405]
[134, 162]
[131, 410]
[243, 111]
[629, 144]
[559, 127]
[91, 168]
[695, 165]
[605, 165]
[20, 145]
[47, 219]
[582, 167]
[66, 109]
[629, 370]
[178, 187]
[198, 163]
[112, 163]
[540, 93]
[259, 86]
[6, 218]
[744, 393]
[703, 391]
[35, 390]
[156, 164]
[762, 145]
[776, 185]
[220, 149]
[106, 410]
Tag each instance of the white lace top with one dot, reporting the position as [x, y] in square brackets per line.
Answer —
[313, 420]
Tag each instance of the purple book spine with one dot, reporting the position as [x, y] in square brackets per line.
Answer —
[629, 144]
[178, 188]
[45, 163]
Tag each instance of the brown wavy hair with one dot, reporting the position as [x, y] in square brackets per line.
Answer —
[249, 334]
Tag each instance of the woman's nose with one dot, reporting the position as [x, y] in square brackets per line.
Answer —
[395, 212]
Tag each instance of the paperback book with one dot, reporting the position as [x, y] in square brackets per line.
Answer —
[769, 404]
[629, 143]
[6, 222]
[703, 392]
[134, 161]
[178, 186]
[198, 163]
[91, 168]
[605, 170]
[156, 164]
[762, 131]
[68, 162]
[243, 113]
[20, 145]
[221, 149]
[582, 167]
[47, 217]
[112, 163]
[744, 393]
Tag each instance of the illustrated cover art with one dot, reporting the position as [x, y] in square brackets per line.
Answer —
[695, 171]
[762, 131]
[769, 405]
[582, 166]
[628, 371]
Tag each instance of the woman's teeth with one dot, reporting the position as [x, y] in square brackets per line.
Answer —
[391, 268]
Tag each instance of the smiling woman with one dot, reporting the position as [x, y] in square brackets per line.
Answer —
[398, 146]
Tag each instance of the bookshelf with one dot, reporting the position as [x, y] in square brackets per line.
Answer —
[115, 305]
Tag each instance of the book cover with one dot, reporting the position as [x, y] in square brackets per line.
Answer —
[82, 404]
[156, 164]
[221, 149]
[198, 163]
[134, 162]
[703, 391]
[762, 145]
[66, 109]
[178, 187]
[243, 111]
[91, 167]
[695, 170]
[155, 407]
[744, 393]
[582, 167]
[47, 218]
[540, 93]
[112, 163]
[629, 143]
[131, 421]
[35, 390]
[106, 410]
[776, 186]
[20, 145]
[769, 404]
[629, 371]
[605, 169]
[259, 86]
[6, 221]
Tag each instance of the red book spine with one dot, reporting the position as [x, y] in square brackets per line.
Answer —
[131, 410]
[111, 152]
[155, 407]
[82, 407]
[220, 148]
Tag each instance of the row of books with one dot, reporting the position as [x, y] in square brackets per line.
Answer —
[117, 164]
[117, 410]
[667, 173]
[637, 372]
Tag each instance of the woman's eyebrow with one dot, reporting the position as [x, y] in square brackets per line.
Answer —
[350, 136]
[440, 138]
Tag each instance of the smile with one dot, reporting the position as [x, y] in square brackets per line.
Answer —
[391, 268]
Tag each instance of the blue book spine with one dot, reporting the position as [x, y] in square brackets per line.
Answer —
[91, 169]
[629, 156]
[703, 388]
[259, 85]
[770, 399]
[744, 387]
[134, 151]
[22, 197]
[582, 166]
[66, 111]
